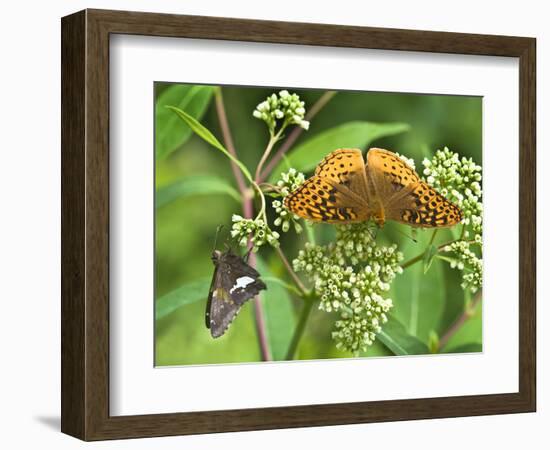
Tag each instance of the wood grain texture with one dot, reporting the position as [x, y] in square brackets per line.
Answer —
[171, 25]
[527, 224]
[73, 112]
[85, 224]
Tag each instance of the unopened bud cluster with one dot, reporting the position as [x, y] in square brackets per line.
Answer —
[285, 107]
[289, 181]
[459, 180]
[352, 276]
[468, 262]
[254, 229]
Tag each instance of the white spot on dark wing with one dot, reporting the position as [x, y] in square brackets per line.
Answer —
[241, 283]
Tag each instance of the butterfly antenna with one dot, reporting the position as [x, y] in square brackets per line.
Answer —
[411, 236]
[216, 238]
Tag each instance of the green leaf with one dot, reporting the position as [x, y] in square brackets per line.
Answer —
[454, 297]
[198, 128]
[471, 347]
[279, 313]
[169, 132]
[205, 134]
[395, 337]
[357, 134]
[429, 255]
[191, 292]
[194, 185]
[419, 298]
[284, 284]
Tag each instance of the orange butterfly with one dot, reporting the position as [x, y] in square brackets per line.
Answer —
[345, 190]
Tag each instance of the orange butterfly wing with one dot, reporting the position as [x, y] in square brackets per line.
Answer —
[336, 193]
[344, 190]
[404, 197]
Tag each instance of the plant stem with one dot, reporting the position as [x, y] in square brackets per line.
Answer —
[310, 233]
[260, 319]
[248, 211]
[287, 286]
[300, 327]
[272, 141]
[261, 213]
[415, 291]
[295, 134]
[419, 257]
[412, 261]
[290, 271]
[228, 140]
[457, 324]
[256, 183]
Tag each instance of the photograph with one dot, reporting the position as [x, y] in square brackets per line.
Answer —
[294, 223]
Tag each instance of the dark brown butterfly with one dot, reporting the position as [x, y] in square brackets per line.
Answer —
[233, 283]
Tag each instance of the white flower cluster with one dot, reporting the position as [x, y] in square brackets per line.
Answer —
[255, 229]
[351, 276]
[408, 161]
[459, 180]
[289, 181]
[287, 107]
[469, 263]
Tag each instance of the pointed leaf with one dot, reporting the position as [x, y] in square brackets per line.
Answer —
[169, 132]
[357, 134]
[191, 292]
[279, 313]
[419, 299]
[395, 337]
[205, 134]
[194, 185]
[429, 255]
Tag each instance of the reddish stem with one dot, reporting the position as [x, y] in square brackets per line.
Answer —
[260, 319]
[248, 211]
[290, 271]
[228, 140]
[295, 134]
[457, 324]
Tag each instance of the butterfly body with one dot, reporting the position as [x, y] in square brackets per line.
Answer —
[344, 189]
[233, 283]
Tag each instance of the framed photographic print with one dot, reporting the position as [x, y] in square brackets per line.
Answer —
[271, 224]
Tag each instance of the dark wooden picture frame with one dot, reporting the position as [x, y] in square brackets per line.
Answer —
[85, 224]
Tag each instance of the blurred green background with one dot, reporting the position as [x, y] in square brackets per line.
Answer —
[190, 206]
